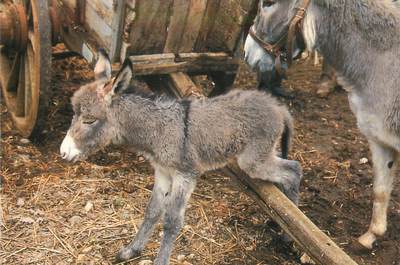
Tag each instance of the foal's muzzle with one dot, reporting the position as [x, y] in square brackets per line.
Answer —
[68, 149]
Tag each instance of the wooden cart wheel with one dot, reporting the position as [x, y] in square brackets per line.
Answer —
[25, 62]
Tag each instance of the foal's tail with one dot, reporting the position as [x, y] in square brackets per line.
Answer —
[286, 138]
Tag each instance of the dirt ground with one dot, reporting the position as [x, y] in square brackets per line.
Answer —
[54, 212]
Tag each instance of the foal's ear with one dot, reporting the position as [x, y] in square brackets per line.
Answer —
[123, 78]
[103, 65]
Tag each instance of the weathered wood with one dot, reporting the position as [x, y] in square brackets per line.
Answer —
[228, 24]
[305, 233]
[185, 66]
[184, 62]
[190, 56]
[7, 26]
[207, 24]
[194, 20]
[80, 42]
[176, 26]
[182, 80]
[97, 28]
[149, 29]
[80, 9]
[104, 9]
[117, 27]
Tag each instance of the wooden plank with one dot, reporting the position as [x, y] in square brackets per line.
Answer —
[206, 25]
[305, 233]
[117, 29]
[200, 66]
[80, 12]
[228, 24]
[98, 27]
[149, 29]
[176, 26]
[194, 20]
[104, 9]
[191, 56]
[185, 62]
[182, 80]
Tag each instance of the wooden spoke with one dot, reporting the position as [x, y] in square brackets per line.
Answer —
[20, 103]
[13, 75]
[29, 78]
[32, 40]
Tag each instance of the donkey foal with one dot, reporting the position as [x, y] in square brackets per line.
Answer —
[182, 139]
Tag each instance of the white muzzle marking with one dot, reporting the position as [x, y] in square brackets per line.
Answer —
[68, 149]
[256, 57]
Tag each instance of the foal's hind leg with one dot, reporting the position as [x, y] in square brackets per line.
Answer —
[154, 210]
[385, 161]
[285, 172]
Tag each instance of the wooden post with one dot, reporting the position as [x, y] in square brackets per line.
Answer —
[304, 232]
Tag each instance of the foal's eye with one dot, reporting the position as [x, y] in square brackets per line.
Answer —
[268, 3]
[89, 120]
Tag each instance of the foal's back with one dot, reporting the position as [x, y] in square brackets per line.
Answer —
[220, 128]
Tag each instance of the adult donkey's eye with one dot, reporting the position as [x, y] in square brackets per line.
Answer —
[267, 3]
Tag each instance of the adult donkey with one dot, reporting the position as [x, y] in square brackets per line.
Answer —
[361, 40]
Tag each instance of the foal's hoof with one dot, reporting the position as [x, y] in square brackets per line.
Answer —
[126, 253]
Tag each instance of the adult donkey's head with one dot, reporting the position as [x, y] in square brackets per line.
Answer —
[92, 126]
[277, 33]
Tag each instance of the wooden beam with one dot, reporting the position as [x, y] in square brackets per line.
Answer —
[189, 89]
[183, 62]
[304, 232]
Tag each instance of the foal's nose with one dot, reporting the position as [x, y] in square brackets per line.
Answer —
[68, 148]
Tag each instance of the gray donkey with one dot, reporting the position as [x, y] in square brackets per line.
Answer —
[182, 139]
[361, 40]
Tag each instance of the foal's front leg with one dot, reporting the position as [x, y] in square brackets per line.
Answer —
[154, 211]
[182, 187]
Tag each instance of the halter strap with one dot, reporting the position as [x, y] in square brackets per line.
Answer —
[274, 49]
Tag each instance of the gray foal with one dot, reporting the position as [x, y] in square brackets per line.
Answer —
[182, 139]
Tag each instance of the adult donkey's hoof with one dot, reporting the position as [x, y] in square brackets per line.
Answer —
[367, 240]
[126, 253]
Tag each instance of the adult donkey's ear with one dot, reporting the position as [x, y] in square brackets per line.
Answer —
[103, 65]
[123, 78]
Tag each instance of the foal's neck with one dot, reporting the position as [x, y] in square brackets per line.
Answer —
[144, 123]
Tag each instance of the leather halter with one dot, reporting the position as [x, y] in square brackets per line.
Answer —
[275, 49]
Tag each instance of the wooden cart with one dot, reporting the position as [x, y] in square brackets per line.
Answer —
[171, 39]
[192, 36]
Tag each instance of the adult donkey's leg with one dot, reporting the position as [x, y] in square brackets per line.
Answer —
[154, 210]
[385, 161]
[182, 187]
